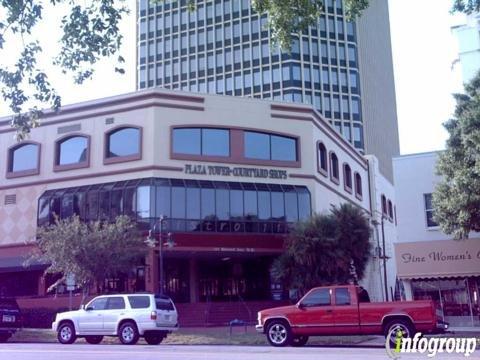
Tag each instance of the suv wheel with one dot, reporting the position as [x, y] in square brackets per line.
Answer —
[153, 339]
[279, 333]
[128, 333]
[299, 341]
[94, 339]
[66, 333]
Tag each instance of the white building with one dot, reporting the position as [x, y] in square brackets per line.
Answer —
[430, 264]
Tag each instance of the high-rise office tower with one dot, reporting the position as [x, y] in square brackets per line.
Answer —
[224, 47]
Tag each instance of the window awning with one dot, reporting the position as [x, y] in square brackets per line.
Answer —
[16, 264]
[436, 259]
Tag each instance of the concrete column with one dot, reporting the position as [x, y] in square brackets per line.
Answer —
[193, 279]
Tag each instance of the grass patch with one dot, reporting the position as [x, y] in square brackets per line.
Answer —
[195, 336]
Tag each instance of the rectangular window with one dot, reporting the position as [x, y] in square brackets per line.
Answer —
[196, 141]
[342, 296]
[429, 210]
[269, 147]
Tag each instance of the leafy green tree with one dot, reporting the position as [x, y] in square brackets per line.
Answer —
[456, 199]
[326, 249]
[92, 251]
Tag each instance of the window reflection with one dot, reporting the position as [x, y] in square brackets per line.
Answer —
[123, 142]
[189, 205]
[23, 158]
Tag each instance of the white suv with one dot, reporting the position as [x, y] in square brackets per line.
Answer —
[128, 316]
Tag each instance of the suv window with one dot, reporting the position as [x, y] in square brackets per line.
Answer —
[116, 303]
[98, 304]
[164, 304]
[139, 302]
[320, 297]
[342, 296]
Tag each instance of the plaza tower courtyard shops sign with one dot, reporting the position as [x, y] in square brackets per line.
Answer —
[214, 170]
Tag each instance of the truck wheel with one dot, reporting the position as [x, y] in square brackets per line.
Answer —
[153, 339]
[394, 326]
[66, 333]
[94, 339]
[128, 333]
[279, 333]
[299, 341]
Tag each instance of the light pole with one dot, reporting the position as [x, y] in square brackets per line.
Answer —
[383, 256]
[151, 235]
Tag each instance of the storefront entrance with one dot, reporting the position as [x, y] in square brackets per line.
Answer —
[218, 279]
[229, 279]
[458, 298]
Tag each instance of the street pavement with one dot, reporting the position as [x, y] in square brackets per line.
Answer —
[12, 351]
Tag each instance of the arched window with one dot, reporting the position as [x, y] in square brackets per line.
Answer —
[72, 152]
[390, 209]
[384, 205]
[334, 173]
[358, 186]
[322, 159]
[23, 159]
[347, 177]
[123, 144]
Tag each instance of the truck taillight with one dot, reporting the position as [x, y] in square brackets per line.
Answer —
[153, 315]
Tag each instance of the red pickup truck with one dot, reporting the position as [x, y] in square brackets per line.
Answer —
[346, 310]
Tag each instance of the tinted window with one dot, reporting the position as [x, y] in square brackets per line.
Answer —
[193, 203]
[278, 206]
[186, 141]
[98, 304]
[283, 148]
[163, 200]
[178, 204]
[116, 303]
[196, 141]
[208, 203]
[222, 202]
[264, 205]
[24, 157]
[269, 147]
[319, 297]
[139, 302]
[215, 142]
[164, 304]
[257, 145]
[250, 203]
[291, 206]
[72, 150]
[304, 207]
[322, 157]
[124, 142]
[342, 296]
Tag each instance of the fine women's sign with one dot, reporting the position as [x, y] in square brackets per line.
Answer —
[438, 258]
[214, 170]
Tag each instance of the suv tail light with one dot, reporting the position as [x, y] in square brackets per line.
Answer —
[153, 315]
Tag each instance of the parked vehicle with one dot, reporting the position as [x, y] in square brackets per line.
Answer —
[346, 310]
[128, 316]
[10, 318]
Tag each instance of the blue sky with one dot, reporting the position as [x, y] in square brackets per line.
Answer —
[423, 51]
